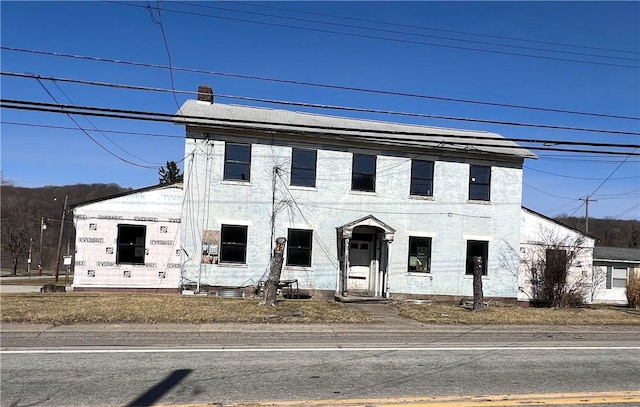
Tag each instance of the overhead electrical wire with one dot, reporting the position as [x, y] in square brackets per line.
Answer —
[104, 135]
[89, 135]
[359, 27]
[386, 39]
[313, 84]
[572, 177]
[404, 25]
[295, 129]
[346, 108]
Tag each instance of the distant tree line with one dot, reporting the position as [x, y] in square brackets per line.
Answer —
[614, 233]
[25, 210]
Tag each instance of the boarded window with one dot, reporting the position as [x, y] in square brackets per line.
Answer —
[210, 245]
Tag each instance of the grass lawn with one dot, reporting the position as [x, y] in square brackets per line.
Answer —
[39, 281]
[447, 314]
[79, 308]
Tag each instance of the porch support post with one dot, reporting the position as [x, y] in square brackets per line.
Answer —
[388, 238]
[346, 235]
[346, 266]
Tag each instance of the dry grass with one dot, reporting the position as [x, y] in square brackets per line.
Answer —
[40, 281]
[448, 314]
[81, 308]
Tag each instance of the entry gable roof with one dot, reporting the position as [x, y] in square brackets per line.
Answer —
[368, 220]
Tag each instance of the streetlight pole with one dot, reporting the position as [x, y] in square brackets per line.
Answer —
[64, 213]
[43, 227]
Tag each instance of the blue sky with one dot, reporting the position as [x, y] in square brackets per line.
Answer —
[217, 36]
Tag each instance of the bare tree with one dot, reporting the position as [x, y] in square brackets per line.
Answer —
[271, 285]
[552, 270]
[14, 231]
[478, 297]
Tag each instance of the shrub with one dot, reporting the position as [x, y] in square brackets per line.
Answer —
[633, 290]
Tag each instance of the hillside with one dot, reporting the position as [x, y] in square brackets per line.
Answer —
[23, 210]
[616, 233]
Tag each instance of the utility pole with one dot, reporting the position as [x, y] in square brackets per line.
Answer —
[586, 200]
[43, 227]
[64, 213]
[29, 259]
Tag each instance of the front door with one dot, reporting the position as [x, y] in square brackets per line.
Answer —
[360, 257]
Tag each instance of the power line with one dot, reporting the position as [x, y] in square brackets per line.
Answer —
[295, 129]
[87, 134]
[434, 29]
[569, 176]
[103, 135]
[621, 214]
[387, 39]
[402, 32]
[346, 108]
[313, 84]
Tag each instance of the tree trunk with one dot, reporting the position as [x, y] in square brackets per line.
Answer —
[478, 298]
[271, 285]
[15, 266]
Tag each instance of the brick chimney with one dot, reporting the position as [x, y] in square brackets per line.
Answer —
[205, 93]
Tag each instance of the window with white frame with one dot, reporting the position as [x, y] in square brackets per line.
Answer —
[303, 167]
[477, 248]
[617, 277]
[237, 162]
[479, 183]
[421, 178]
[419, 254]
[233, 244]
[299, 245]
[363, 176]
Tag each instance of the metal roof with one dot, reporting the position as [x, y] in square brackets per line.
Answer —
[217, 115]
[624, 254]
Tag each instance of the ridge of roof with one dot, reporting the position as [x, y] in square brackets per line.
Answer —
[257, 117]
[125, 193]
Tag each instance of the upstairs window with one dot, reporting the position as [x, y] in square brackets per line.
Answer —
[419, 254]
[421, 178]
[237, 162]
[364, 173]
[130, 244]
[477, 248]
[233, 247]
[303, 167]
[479, 183]
[299, 247]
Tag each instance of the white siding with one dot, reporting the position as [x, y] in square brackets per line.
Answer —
[159, 210]
[447, 217]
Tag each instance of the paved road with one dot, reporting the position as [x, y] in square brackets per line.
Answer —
[214, 375]
[97, 365]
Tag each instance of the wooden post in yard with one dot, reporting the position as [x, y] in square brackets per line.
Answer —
[478, 299]
[271, 285]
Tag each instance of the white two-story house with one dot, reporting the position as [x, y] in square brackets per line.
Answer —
[367, 207]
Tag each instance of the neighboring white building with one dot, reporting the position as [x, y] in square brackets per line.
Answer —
[367, 207]
[616, 265]
[129, 241]
[544, 241]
